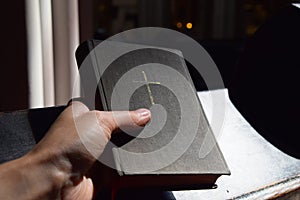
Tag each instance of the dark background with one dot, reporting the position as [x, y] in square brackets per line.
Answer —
[223, 37]
[13, 54]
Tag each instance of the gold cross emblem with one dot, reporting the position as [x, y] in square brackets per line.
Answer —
[148, 86]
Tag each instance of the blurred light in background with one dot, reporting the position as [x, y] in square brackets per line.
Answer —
[179, 25]
[189, 25]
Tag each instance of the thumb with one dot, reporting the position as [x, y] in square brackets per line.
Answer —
[94, 128]
[124, 119]
[74, 109]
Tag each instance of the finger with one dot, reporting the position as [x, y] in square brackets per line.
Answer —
[124, 119]
[76, 108]
[93, 134]
[84, 190]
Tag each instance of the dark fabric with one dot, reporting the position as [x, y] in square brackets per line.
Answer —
[16, 137]
[41, 120]
[21, 130]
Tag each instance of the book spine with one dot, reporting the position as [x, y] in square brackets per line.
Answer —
[98, 76]
[117, 160]
[86, 58]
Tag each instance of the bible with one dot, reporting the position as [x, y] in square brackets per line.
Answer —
[176, 149]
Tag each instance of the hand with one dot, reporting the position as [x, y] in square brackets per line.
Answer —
[62, 158]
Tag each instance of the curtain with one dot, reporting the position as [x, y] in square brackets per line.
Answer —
[52, 38]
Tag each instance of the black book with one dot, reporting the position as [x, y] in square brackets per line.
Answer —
[177, 149]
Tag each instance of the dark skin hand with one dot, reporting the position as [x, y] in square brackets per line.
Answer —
[55, 168]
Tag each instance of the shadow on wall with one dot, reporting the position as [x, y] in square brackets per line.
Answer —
[266, 85]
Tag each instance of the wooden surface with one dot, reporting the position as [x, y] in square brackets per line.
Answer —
[258, 169]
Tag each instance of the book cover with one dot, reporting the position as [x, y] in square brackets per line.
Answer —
[166, 152]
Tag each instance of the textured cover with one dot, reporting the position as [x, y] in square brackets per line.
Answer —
[164, 95]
